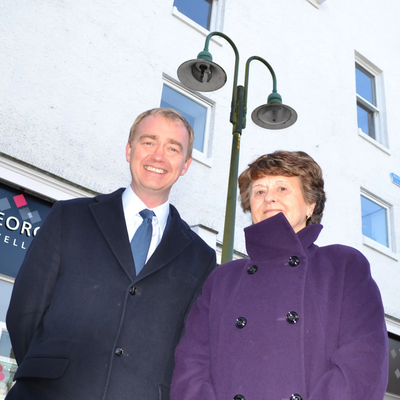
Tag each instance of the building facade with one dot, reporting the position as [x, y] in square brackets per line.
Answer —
[74, 75]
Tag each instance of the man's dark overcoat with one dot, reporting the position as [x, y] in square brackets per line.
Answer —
[82, 325]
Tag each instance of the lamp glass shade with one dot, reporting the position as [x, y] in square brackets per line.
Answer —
[274, 116]
[202, 75]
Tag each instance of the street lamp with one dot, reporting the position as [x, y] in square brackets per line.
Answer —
[204, 75]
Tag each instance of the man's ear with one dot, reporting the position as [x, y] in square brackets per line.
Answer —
[128, 149]
[186, 166]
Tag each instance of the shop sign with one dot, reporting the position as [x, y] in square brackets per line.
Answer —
[21, 215]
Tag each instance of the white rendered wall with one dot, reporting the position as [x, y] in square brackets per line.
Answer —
[74, 75]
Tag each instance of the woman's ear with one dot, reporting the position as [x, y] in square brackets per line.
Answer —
[311, 208]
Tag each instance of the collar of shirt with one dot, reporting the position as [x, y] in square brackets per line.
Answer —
[132, 205]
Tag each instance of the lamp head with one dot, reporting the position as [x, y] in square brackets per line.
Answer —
[202, 74]
[274, 114]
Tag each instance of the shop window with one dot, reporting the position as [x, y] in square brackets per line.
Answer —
[21, 215]
[370, 101]
[195, 109]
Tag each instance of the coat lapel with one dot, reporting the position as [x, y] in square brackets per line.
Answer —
[109, 216]
[177, 237]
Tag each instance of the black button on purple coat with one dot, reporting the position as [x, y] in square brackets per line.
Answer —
[252, 269]
[292, 317]
[241, 322]
[294, 261]
[295, 397]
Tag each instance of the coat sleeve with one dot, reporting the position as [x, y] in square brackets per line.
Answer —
[207, 271]
[359, 365]
[34, 284]
[192, 375]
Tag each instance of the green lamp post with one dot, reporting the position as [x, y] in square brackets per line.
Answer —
[204, 75]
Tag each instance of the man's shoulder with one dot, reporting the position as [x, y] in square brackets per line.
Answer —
[82, 202]
[184, 227]
[182, 224]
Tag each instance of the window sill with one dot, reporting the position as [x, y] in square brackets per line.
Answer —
[7, 278]
[39, 181]
[194, 25]
[379, 247]
[374, 142]
[201, 158]
[316, 3]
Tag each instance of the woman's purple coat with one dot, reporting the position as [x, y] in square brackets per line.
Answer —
[337, 349]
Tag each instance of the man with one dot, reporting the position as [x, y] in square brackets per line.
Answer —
[85, 322]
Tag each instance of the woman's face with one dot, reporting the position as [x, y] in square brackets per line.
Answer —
[272, 194]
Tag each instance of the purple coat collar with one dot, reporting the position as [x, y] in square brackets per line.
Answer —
[270, 237]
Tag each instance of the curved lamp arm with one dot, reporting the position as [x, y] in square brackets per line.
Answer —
[246, 81]
[236, 73]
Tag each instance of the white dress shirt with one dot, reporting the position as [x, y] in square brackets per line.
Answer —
[132, 206]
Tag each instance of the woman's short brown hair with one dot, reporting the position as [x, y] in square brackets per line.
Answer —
[287, 163]
[169, 114]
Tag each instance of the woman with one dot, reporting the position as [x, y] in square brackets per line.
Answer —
[295, 321]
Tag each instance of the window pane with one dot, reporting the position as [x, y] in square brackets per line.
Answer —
[365, 120]
[5, 345]
[197, 10]
[394, 365]
[5, 296]
[7, 369]
[21, 215]
[374, 221]
[365, 85]
[192, 111]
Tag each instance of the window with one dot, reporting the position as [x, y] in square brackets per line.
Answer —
[195, 109]
[369, 93]
[202, 15]
[366, 101]
[198, 11]
[375, 221]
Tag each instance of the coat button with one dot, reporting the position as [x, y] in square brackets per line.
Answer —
[295, 397]
[294, 261]
[241, 322]
[239, 397]
[252, 270]
[118, 351]
[133, 290]
[292, 317]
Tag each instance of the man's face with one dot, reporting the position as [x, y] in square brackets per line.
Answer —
[157, 158]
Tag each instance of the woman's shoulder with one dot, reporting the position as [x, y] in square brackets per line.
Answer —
[341, 254]
[341, 249]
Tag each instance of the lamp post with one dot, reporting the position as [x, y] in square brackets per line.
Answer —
[204, 75]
